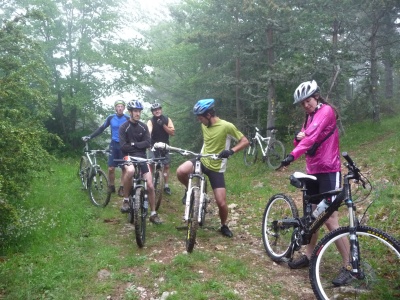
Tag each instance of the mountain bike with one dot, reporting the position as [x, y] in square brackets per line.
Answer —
[138, 197]
[196, 195]
[273, 150]
[93, 178]
[374, 255]
[157, 168]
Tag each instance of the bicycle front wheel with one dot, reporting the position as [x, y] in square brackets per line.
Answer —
[275, 154]
[83, 171]
[99, 193]
[250, 153]
[379, 273]
[158, 187]
[277, 237]
[140, 216]
[193, 223]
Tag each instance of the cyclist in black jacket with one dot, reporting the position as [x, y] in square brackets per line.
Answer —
[134, 139]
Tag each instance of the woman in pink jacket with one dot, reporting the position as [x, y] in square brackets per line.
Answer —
[319, 127]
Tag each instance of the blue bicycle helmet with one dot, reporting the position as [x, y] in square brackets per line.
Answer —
[134, 104]
[202, 106]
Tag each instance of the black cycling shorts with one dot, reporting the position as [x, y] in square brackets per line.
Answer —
[217, 179]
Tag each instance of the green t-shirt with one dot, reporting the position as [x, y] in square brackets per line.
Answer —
[216, 138]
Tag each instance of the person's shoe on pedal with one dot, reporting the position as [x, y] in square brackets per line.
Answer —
[125, 206]
[121, 191]
[343, 278]
[167, 190]
[155, 219]
[301, 262]
[226, 231]
[111, 188]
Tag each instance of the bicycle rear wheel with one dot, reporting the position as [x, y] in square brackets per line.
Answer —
[99, 193]
[275, 154]
[277, 237]
[193, 224]
[83, 171]
[158, 187]
[140, 216]
[379, 256]
[250, 153]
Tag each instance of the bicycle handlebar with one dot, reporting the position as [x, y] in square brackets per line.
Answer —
[184, 152]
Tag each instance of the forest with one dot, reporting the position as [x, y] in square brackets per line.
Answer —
[60, 59]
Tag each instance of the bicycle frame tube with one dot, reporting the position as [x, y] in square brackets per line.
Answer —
[260, 139]
[197, 173]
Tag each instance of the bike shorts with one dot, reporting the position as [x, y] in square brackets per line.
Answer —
[144, 167]
[325, 182]
[217, 179]
[160, 153]
[115, 153]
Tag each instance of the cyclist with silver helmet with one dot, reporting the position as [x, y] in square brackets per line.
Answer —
[318, 139]
[217, 135]
[113, 121]
[161, 127]
[134, 138]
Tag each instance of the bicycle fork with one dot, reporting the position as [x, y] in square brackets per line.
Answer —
[191, 189]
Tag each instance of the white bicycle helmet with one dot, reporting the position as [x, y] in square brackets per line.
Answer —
[305, 90]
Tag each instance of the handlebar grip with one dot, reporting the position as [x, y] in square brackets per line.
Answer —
[347, 158]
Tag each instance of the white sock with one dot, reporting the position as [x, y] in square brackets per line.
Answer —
[153, 213]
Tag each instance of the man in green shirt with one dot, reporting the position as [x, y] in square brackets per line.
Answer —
[217, 137]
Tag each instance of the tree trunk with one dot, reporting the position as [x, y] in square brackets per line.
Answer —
[271, 117]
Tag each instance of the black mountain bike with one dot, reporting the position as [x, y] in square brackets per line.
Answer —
[138, 197]
[374, 258]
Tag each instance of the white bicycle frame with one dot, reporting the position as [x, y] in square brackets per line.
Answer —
[260, 139]
[197, 173]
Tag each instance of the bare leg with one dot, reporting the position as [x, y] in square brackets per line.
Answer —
[220, 198]
[111, 175]
[183, 172]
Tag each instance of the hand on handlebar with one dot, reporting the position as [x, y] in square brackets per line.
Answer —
[161, 146]
[85, 138]
[226, 153]
[287, 160]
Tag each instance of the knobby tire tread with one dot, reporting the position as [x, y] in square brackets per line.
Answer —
[98, 189]
[193, 223]
[140, 215]
[276, 239]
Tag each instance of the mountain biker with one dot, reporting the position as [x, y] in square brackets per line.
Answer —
[319, 126]
[114, 120]
[134, 138]
[217, 135]
[161, 127]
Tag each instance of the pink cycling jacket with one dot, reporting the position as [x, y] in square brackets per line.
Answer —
[319, 125]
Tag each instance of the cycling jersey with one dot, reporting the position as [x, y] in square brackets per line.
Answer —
[136, 133]
[115, 121]
[216, 138]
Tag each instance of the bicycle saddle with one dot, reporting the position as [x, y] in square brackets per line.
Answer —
[297, 179]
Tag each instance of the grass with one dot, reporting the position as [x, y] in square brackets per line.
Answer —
[72, 250]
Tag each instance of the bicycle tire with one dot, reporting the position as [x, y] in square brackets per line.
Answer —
[192, 223]
[131, 214]
[83, 171]
[140, 216]
[277, 239]
[98, 189]
[379, 254]
[275, 154]
[250, 153]
[158, 187]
